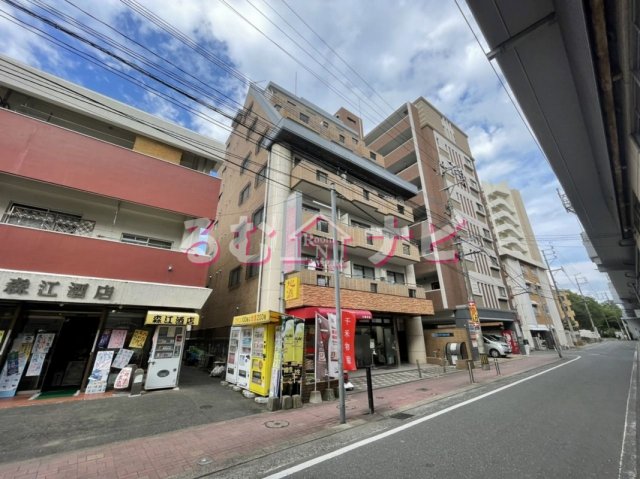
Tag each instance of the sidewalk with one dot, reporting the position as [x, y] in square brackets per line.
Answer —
[227, 442]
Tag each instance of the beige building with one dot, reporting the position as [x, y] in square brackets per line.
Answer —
[422, 146]
[527, 277]
[283, 157]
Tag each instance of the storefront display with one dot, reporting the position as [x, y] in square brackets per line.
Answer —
[166, 357]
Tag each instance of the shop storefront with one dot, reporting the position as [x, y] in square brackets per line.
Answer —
[84, 338]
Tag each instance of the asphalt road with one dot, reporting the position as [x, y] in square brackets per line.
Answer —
[567, 422]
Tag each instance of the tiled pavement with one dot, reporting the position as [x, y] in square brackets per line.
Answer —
[393, 378]
[228, 442]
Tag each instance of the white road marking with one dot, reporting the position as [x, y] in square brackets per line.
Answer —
[391, 432]
[629, 431]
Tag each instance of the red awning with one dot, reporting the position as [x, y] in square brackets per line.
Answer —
[310, 312]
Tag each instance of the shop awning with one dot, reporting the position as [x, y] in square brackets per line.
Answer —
[310, 312]
[538, 327]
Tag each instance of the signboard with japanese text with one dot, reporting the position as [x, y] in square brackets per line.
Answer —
[118, 337]
[100, 373]
[473, 312]
[68, 289]
[292, 354]
[292, 288]
[122, 358]
[348, 340]
[138, 339]
[15, 364]
[260, 317]
[177, 318]
[123, 378]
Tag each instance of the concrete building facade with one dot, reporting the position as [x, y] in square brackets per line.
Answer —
[527, 277]
[422, 146]
[283, 157]
[94, 196]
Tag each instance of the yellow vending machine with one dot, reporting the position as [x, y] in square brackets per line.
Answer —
[263, 325]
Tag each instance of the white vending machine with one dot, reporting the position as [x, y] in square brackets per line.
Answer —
[231, 372]
[244, 357]
[165, 357]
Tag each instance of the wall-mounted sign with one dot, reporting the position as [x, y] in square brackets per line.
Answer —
[178, 318]
[261, 317]
[441, 335]
[292, 288]
[138, 339]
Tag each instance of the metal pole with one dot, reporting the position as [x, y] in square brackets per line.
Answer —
[370, 390]
[336, 276]
[555, 286]
[465, 273]
[593, 326]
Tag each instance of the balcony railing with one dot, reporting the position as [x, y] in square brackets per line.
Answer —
[48, 220]
[326, 279]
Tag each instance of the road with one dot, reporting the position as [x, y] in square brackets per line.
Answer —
[566, 421]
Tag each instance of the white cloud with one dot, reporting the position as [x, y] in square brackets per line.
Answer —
[403, 49]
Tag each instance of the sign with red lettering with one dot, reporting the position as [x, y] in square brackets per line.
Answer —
[348, 341]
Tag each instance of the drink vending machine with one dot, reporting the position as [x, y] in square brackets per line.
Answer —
[251, 350]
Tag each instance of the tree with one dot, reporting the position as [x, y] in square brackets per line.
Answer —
[605, 315]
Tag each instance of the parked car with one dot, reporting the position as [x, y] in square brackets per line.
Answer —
[500, 339]
[495, 348]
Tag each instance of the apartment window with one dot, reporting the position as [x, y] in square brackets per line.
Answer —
[45, 219]
[502, 291]
[475, 288]
[486, 233]
[277, 107]
[244, 194]
[480, 207]
[342, 138]
[258, 216]
[261, 176]
[401, 209]
[234, 276]
[406, 249]
[372, 155]
[360, 271]
[325, 124]
[245, 164]
[393, 277]
[412, 293]
[322, 280]
[251, 128]
[494, 261]
[322, 177]
[252, 270]
[373, 287]
[145, 241]
[304, 118]
[435, 285]
[323, 226]
[370, 239]
[355, 140]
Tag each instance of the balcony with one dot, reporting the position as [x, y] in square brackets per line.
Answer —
[367, 242]
[304, 178]
[29, 249]
[358, 293]
[51, 154]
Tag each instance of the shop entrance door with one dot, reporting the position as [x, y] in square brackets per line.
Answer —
[164, 361]
[71, 351]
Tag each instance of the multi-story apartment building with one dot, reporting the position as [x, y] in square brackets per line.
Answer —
[283, 158]
[425, 148]
[527, 276]
[94, 196]
[564, 305]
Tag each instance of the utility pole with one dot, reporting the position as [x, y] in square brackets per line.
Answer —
[555, 286]
[593, 326]
[336, 280]
[477, 328]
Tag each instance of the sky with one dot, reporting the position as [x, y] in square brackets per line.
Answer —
[369, 56]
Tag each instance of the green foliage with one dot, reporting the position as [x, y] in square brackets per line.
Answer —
[606, 315]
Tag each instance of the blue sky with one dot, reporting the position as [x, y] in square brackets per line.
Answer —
[402, 50]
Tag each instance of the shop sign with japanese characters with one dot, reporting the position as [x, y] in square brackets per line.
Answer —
[55, 288]
[179, 318]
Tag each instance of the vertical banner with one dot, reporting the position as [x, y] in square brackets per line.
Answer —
[323, 334]
[334, 371]
[15, 364]
[292, 355]
[348, 340]
[276, 369]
